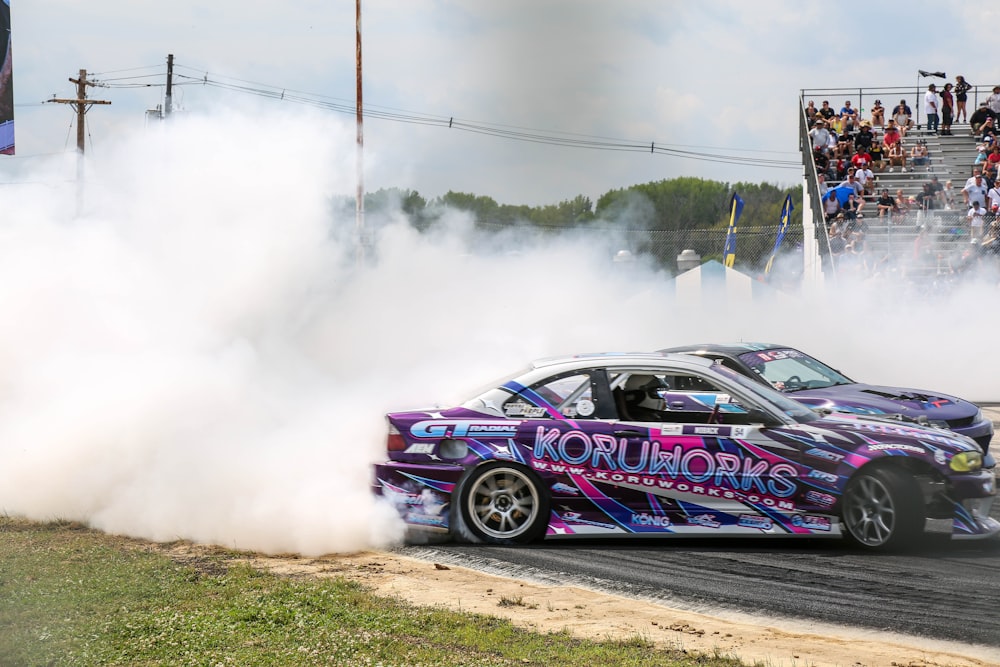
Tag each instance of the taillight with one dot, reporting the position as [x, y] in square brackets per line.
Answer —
[394, 441]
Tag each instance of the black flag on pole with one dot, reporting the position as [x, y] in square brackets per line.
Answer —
[940, 75]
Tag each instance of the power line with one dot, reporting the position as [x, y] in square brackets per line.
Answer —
[510, 132]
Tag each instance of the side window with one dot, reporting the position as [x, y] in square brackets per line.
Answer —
[568, 396]
[673, 398]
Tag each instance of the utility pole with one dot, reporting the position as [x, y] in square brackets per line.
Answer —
[168, 102]
[82, 107]
[359, 206]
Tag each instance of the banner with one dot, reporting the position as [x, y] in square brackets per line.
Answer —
[735, 209]
[6, 83]
[786, 216]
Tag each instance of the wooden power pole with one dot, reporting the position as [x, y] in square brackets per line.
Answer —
[82, 106]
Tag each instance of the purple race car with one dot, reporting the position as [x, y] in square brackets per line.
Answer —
[815, 384]
[665, 444]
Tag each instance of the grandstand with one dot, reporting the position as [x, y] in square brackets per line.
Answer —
[891, 244]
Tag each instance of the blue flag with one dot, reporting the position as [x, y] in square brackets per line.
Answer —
[786, 215]
[729, 252]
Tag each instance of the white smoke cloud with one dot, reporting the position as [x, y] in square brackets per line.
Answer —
[198, 355]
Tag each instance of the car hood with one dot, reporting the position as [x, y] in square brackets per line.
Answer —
[875, 399]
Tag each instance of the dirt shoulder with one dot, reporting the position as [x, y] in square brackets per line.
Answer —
[590, 614]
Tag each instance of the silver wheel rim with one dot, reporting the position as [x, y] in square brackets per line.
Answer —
[503, 503]
[869, 512]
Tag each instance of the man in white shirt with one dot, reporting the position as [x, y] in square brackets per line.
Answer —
[975, 192]
[931, 108]
[975, 216]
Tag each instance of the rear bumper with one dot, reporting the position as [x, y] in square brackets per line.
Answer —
[421, 494]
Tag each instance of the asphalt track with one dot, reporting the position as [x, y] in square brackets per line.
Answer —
[942, 590]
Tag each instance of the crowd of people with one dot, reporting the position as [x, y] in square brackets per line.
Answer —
[851, 151]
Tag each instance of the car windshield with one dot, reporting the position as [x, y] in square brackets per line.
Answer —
[797, 411]
[789, 370]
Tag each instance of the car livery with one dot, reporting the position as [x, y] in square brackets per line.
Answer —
[665, 444]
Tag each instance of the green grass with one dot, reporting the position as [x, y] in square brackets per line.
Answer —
[74, 596]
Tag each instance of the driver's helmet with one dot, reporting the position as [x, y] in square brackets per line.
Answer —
[644, 391]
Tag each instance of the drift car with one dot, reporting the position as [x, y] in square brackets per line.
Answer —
[664, 444]
[815, 384]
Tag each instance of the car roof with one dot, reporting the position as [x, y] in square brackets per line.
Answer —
[733, 349]
[612, 359]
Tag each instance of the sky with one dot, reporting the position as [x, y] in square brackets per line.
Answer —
[190, 348]
[717, 78]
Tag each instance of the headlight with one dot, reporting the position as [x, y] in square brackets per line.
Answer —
[978, 418]
[966, 462]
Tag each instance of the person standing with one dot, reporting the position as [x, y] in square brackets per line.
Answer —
[976, 217]
[993, 102]
[931, 108]
[962, 88]
[947, 109]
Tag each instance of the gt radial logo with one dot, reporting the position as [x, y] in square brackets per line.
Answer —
[458, 428]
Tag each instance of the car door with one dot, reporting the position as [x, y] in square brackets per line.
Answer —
[697, 454]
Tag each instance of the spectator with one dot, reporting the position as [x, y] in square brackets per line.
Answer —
[811, 113]
[993, 102]
[864, 139]
[931, 108]
[919, 155]
[897, 157]
[975, 192]
[962, 88]
[978, 117]
[903, 116]
[947, 109]
[826, 111]
[976, 218]
[976, 172]
[837, 242]
[938, 191]
[925, 198]
[886, 204]
[820, 137]
[831, 209]
[891, 136]
[993, 199]
[981, 156]
[877, 156]
[853, 183]
[850, 116]
[861, 159]
[878, 114]
[821, 160]
[993, 158]
[948, 195]
[987, 132]
[902, 206]
[866, 178]
[821, 180]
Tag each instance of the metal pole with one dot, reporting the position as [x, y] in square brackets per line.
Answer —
[359, 207]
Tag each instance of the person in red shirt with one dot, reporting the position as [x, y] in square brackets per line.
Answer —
[891, 136]
[861, 159]
[994, 156]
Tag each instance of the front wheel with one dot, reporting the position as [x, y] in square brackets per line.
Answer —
[502, 503]
[883, 509]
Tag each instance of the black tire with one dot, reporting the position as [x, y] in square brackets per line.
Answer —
[883, 509]
[503, 503]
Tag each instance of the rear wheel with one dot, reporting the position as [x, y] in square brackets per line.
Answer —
[883, 509]
[503, 503]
